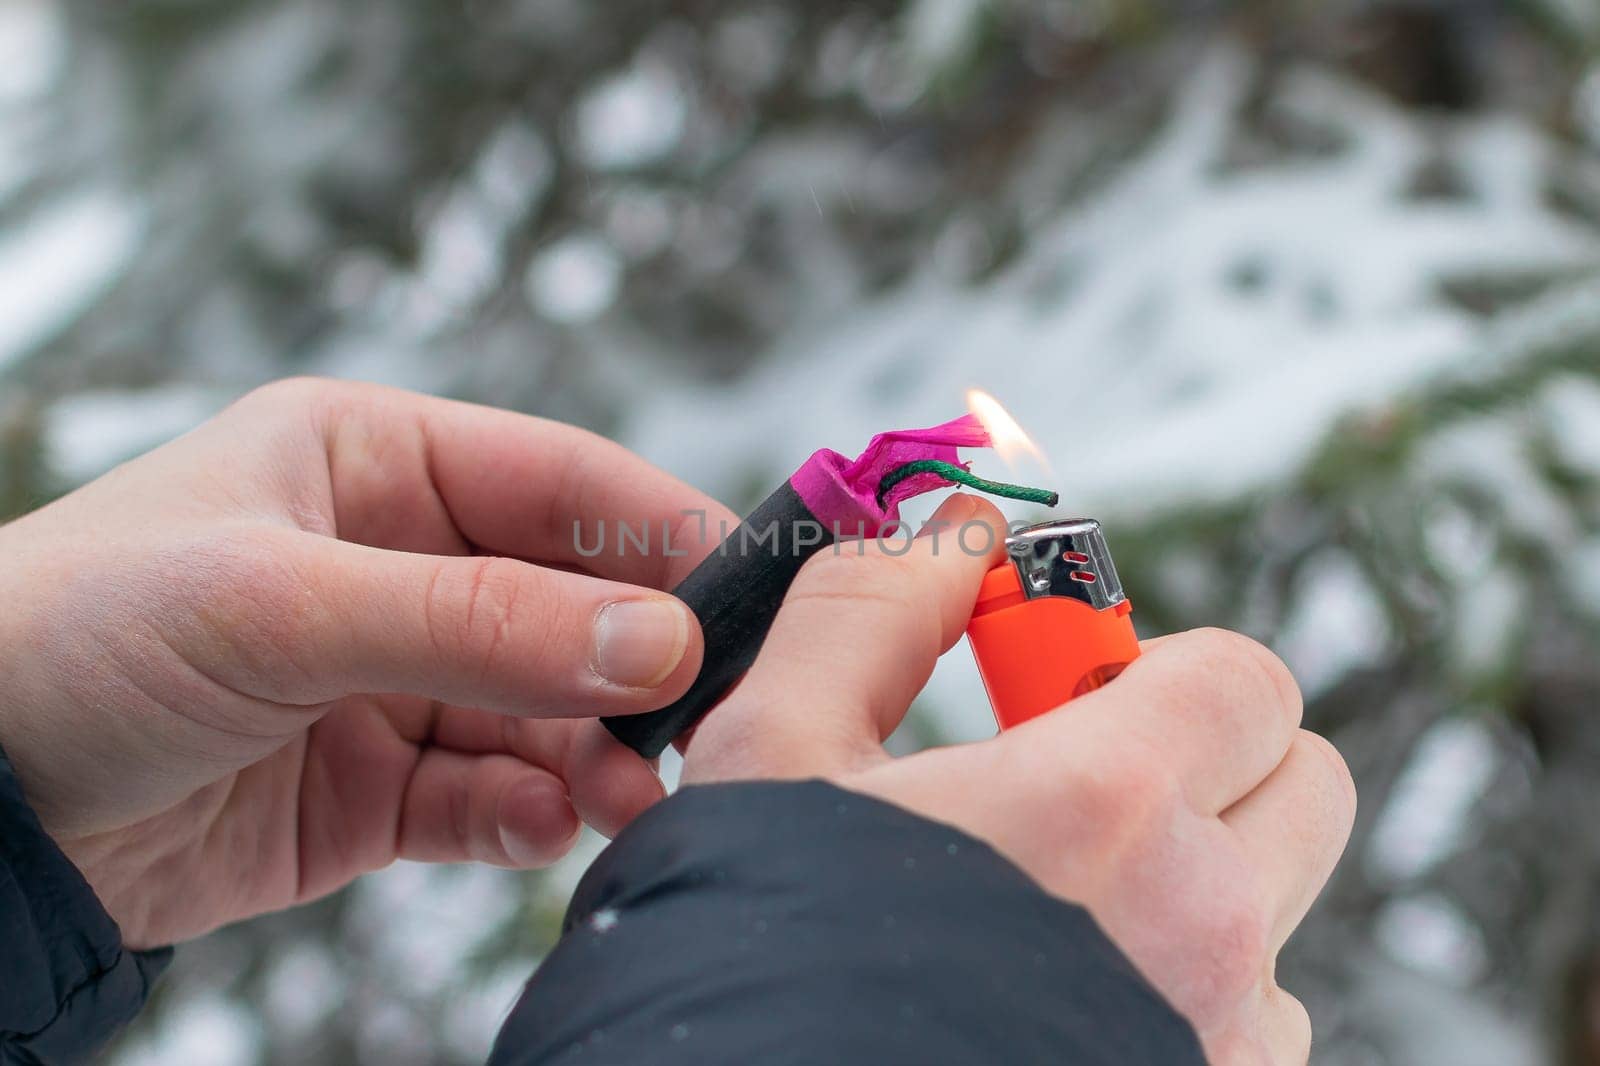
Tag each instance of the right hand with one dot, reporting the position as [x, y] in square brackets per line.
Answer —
[1181, 805]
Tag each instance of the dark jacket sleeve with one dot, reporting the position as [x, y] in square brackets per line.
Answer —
[66, 982]
[800, 923]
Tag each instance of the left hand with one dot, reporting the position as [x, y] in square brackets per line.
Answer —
[302, 641]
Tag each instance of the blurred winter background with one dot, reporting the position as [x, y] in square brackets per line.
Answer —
[1302, 299]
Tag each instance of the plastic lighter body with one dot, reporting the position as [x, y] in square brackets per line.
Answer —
[1051, 622]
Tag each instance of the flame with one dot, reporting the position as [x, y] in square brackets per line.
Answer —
[1011, 442]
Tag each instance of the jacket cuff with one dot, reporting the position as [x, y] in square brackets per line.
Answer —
[67, 984]
[799, 922]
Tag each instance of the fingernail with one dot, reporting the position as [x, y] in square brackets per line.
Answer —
[537, 823]
[638, 643]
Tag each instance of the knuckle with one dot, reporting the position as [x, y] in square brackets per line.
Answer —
[1237, 1048]
[856, 576]
[291, 392]
[1333, 775]
[1238, 930]
[1244, 658]
[473, 608]
[1121, 800]
[251, 602]
[733, 744]
[1230, 938]
[297, 401]
[458, 816]
[1295, 1029]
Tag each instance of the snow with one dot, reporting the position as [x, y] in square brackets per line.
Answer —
[1123, 339]
[1486, 622]
[202, 1031]
[1429, 934]
[56, 262]
[476, 1017]
[939, 33]
[515, 171]
[428, 920]
[1188, 336]
[1491, 458]
[32, 47]
[631, 119]
[1582, 573]
[304, 987]
[1423, 1021]
[1337, 624]
[462, 244]
[88, 433]
[459, 261]
[1459, 545]
[1429, 808]
[575, 279]
[1570, 406]
[1579, 15]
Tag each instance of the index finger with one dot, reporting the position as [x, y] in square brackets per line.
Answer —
[420, 473]
[1214, 708]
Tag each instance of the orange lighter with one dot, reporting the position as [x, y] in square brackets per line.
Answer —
[1051, 622]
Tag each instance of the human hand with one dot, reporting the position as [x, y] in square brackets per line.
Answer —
[1181, 805]
[275, 654]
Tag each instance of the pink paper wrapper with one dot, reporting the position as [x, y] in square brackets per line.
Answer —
[842, 493]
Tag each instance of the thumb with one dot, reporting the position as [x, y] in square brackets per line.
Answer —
[487, 632]
[855, 641]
